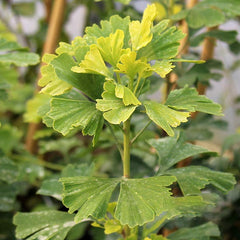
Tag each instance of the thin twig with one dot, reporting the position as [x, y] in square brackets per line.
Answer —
[140, 132]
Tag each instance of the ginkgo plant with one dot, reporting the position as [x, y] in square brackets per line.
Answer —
[100, 81]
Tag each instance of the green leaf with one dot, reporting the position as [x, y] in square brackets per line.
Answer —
[189, 100]
[230, 7]
[194, 178]
[230, 141]
[70, 113]
[201, 73]
[225, 36]
[90, 84]
[43, 225]
[164, 116]
[204, 16]
[6, 45]
[141, 33]
[162, 68]
[8, 193]
[139, 201]
[77, 49]
[164, 45]
[49, 80]
[42, 112]
[171, 150]
[20, 58]
[93, 63]
[8, 170]
[88, 195]
[107, 27]
[51, 187]
[113, 107]
[31, 114]
[9, 138]
[202, 232]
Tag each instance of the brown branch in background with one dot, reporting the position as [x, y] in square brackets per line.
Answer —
[183, 48]
[48, 8]
[53, 33]
[207, 54]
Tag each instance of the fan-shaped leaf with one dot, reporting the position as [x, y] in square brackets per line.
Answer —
[171, 150]
[202, 232]
[164, 116]
[139, 201]
[130, 66]
[194, 178]
[88, 195]
[189, 100]
[69, 113]
[107, 27]
[44, 225]
[141, 33]
[113, 107]
[93, 63]
[164, 45]
[111, 48]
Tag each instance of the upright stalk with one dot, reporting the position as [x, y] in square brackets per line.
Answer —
[126, 149]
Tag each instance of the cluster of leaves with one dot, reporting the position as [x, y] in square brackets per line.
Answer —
[96, 84]
[111, 65]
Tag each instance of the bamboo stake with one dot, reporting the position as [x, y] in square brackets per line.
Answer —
[207, 54]
[48, 8]
[53, 33]
[183, 47]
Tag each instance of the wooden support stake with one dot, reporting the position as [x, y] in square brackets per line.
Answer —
[207, 54]
[183, 48]
[53, 33]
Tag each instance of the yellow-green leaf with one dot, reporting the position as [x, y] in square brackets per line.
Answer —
[93, 63]
[164, 116]
[31, 115]
[141, 33]
[112, 226]
[130, 66]
[111, 47]
[113, 107]
[127, 95]
[162, 68]
[50, 82]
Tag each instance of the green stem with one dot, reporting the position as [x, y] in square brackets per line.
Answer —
[140, 90]
[140, 132]
[136, 87]
[130, 84]
[50, 165]
[118, 77]
[126, 149]
[170, 8]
